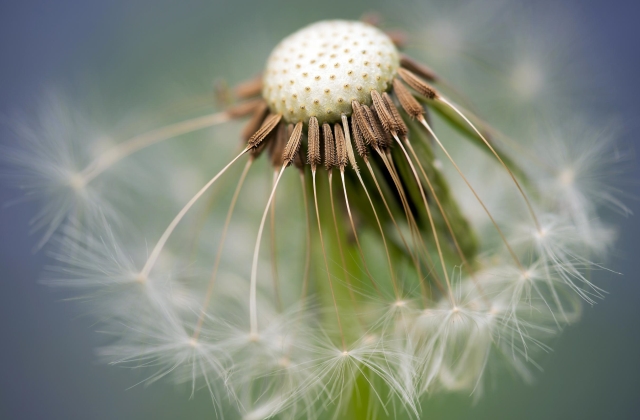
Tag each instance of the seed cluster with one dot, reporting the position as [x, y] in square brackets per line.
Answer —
[321, 69]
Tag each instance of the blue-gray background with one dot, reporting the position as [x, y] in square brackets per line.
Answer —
[47, 364]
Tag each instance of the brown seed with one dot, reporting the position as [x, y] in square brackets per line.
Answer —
[398, 37]
[372, 18]
[362, 122]
[361, 147]
[255, 122]
[417, 68]
[407, 101]
[249, 88]
[341, 147]
[313, 153]
[267, 126]
[329, 147]
[417, 83]
[400, 126]
[257, 151]
[380, 135]
[245, 108]
[293, 145]
[387, 139]
[388, 124]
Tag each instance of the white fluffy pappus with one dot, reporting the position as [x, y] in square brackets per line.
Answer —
[439, 253]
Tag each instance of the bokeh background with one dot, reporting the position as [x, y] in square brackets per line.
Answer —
[120, 50]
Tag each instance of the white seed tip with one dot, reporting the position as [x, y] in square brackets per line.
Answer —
[311, 70]
[77, 182]
[284, 362]
[567, 177]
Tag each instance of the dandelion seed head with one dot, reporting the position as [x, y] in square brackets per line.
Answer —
[440, 251]
[319, 70]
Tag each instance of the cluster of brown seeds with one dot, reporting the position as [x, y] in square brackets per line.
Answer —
[369, 127]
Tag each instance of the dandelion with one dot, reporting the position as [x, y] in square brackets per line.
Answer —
[427, 261]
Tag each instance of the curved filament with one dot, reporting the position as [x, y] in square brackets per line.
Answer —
[274, 250]
[431, 222]
[326, 263]
[384, 240]
[147, 139]
[466, 181]
[513, 177]
[253, 310]
[223, 237]
[167, 233]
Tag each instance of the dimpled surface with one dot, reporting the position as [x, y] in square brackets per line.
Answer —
[319, 70]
